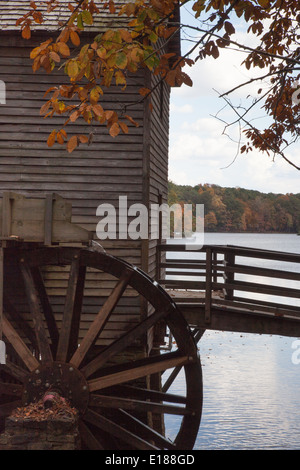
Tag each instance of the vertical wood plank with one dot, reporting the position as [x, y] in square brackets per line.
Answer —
[46, 307]
[101, 319]
[19, 346]
[66, 327]
[208, 284]
[36, 312]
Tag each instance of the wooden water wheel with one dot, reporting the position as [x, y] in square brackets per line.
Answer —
[115, 396]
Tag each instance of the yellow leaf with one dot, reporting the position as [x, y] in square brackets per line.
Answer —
[120, 78]
[35, 52]
[72, 69]
[63, 49]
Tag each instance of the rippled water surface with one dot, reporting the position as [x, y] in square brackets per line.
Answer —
[251, 385]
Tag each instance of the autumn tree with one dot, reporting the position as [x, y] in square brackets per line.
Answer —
[150, 24]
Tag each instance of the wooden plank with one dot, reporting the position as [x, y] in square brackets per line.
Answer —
[66, 328]
[101, 318]
[46, 307]
[19, 320]
[7, 408]
[104, 401]
[19, 346]
[37, 315]
[11, 389]
[78, 304]
[139, 393]
[146, 432]
[14, 371]
[259, 289]
[123, 342]
[151, 366]
[117, 431]
[88, 437]
[240, 321]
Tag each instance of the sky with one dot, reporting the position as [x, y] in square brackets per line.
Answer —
[200, 152]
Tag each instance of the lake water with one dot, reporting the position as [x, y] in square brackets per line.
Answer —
[251, 385]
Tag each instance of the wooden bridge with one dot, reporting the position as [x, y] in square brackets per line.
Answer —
[233, 288]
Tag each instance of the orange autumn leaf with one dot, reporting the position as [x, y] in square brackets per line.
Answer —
[51, 139]
[114, 129]
[72, 143]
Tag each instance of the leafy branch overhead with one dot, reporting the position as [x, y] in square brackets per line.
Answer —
[147, 26]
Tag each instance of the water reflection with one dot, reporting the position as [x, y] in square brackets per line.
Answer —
[251, 386]
[251, 393]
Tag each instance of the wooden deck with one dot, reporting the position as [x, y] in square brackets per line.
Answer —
[234, 288]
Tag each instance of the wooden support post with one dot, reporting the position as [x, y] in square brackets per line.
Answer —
[48, 218]
[215, 266]
[1, 291]
[6, 215]
[229, 260]
[159, 241]
[208, 284]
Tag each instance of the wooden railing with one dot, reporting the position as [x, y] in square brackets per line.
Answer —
[245, 278]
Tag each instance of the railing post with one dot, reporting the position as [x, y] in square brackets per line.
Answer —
[159, 241]
[229, 261]
[208, 284]
[215, 266]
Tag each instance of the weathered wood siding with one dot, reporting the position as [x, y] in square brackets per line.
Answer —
[134, 165]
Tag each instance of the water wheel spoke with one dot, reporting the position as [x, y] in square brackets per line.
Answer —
[101, 318]
[171, 379]
[71, 311]
[20, 322]
[7, 408]
[147, 394]
[14, 371]
[88, 437]
[104, 401]
[19, 346]
[117, 431]
[46, 307]
[146, 432]
[123, 342]
[138, 369]
[197, 334]
[37, 315]
[14, 390]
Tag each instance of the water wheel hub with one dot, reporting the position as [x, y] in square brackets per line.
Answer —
[60, 377]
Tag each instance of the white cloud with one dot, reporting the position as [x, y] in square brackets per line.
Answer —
[199, 153]
[184, 109]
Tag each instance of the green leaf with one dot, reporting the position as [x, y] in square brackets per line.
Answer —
[87, 17]
[121, 60]
[79, 21]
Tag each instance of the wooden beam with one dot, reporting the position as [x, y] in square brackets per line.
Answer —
[151, 366]
[240, 321]
[19, 346]
[37, 315]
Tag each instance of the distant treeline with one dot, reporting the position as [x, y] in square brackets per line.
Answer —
[242, 210]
